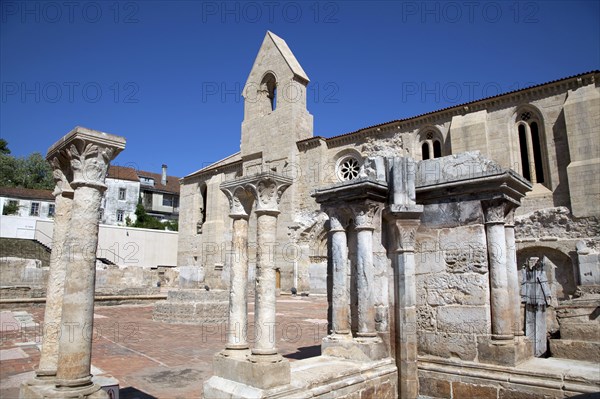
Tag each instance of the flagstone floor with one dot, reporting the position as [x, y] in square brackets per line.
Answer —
[153, 359]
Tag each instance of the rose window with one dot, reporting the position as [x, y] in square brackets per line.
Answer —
[348, 169]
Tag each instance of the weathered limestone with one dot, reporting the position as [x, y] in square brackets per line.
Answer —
[240, 201]
[512, 273]
[340, 295]
[88, 153]
[261, 368]
[500, 301]
[56, 279]
[361, 200]
[403, 216]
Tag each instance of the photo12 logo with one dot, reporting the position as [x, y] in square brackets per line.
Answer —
[70, 12]
[69, 92]
[269, 11]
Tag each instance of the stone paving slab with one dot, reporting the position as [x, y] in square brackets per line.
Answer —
[159, 360]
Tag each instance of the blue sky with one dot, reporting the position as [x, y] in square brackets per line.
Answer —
[167, 74]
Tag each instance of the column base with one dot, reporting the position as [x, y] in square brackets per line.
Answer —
[360, 348]
[504, 352]
[257, 371]
[49, 391]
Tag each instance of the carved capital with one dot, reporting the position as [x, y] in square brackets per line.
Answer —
[89, 163]
[267, 190]
[240, 200]
[62, 175]
[494, 211]
[365, 214]
[403, 234]
[510, 218]
[338, 217]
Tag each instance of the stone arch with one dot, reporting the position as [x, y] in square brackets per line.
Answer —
[528, 141]
[559, 267]
[268, 90]
[430, 143]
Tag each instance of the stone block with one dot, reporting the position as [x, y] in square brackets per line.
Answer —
[367, 349]
[267, 372]
[457, 289]
[504, 353]
[463, 319]
[460, 346]
[576, 350]
[464, 390]
[581, 331]
[433, 387]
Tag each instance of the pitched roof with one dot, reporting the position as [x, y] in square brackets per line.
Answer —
[122, 173]
[131, 174]
[172, 185]
[26, 193]
[237, 157]
[288, 56]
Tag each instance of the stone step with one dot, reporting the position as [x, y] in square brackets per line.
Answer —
[580, 331]
[574, 349]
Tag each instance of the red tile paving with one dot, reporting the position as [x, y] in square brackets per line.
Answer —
[160, 360]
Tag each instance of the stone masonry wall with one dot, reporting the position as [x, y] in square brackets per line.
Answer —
[452, 280]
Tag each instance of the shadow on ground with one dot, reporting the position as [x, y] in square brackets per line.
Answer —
[305, 352]
[134, 393]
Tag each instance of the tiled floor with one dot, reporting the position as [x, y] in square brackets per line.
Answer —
[153, 359]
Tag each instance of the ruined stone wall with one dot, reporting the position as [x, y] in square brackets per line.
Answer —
[452, 280]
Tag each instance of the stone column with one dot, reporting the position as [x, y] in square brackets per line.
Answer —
[530, 154]
[512, 272]
[363, 219]
[89, 153]
[340, 295]
[56, 277]
[240, 202]
[267, 190]
[502, 315]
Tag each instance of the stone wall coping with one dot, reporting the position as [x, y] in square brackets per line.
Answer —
[357, 189]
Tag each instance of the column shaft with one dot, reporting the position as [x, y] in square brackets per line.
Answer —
[500, 301]
[265, 284]
[55, 289]
[340, 294]
[530, 155]
[75, 347]
[238, 294]
[513, 279]
[364, 280]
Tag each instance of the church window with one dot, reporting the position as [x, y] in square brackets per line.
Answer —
[431, 145]
[348, 168]
[530, 147]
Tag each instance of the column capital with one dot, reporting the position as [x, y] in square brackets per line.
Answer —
[404, 232]
[364, 214]
[89, 153]
[268, 188]
[509, 220]
[494, 211]
[240, 200]
[62, 175]
[338, 217]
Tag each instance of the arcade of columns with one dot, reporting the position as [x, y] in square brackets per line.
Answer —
[80, 162]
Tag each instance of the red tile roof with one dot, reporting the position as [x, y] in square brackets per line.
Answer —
[122, 173]
[26, 193]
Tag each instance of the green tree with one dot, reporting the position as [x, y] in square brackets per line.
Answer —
[27, 172]
[145, 221]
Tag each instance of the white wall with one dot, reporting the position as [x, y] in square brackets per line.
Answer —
[124, 246]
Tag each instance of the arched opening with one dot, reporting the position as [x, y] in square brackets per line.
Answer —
[425, 151]
[531, 146]
[437, 149]
[203, 204]
[268, 93]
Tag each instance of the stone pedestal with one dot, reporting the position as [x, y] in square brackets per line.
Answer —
[504, 352]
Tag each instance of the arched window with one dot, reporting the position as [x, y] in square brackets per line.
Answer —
[425, 150]
[530, 147]
[431, 145]
[268, 92]
[203, 201]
